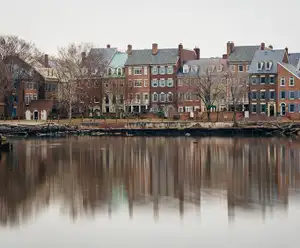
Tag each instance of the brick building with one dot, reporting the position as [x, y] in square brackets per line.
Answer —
[263, 73]
[288, 89]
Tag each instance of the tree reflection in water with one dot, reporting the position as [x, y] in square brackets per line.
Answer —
[90, 175]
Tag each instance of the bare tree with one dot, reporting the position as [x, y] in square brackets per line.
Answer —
[75, 72]
[10, 47]
[237, 84]
[209, 85]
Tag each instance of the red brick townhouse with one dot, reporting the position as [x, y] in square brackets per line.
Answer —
[151, 76]
[288, 86]
[263, 76]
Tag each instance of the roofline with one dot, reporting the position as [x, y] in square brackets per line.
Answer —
[149, 64]
[289, 70]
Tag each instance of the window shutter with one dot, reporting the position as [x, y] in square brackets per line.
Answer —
[267, 95]
[289, 107]
[296, 94]
[296, 108]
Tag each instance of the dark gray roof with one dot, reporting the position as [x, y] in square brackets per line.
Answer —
[294, 58]
[293, 69]
[105, 54]
[145, 57]
[273, 56]
[242, 53]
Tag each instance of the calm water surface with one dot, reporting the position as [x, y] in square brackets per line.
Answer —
[146, 192]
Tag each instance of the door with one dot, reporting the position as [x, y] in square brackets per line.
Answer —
[282, 109]
[272, 110]
[35, 115]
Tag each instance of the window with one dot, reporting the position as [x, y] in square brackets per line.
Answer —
[162, 82]
[162, 70]
[272, 95]
[145, 83]
[260, 66]
[291, 108]
[180, 109]
[268, 65]
[137, 71]
[254, 96]
[130, 83]
[170, 97]
[262, 80]
[292, 81]
[146, 98]
[282, 94]
[137, 97]
[185, 69]
[241, 68]
[188, 96]
[27, 100]
[272, 80]
[162, 97]
[154, 70]
[170, 69]
[180, 82]
[247, 67]
[282, 81]
[130, 97]
[145, 70]
[170, 82]
[253, 80]
[129, 70]
[154, 97]
[154, 83]
[109, 71]
[121, 99]
[119, 71]
[263, 108]
[189, 109]
[232, 67]
[253, 108]
[263, 95]
[137, 83]
[292, 95]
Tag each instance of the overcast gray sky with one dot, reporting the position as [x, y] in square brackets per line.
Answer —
[208, 24]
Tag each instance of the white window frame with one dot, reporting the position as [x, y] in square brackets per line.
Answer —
[136, 98]
[170, 93]
[145, 82]
[162, 70]
[180, 109]
[185, 69]
[137, 68]
[170, 82]
[154, 70]
[263, 103]
[162, 82]
[185, 96]
[270, 94]
[189, 109]
[242, 68]
[153, 99]
[252, 108]
[129, 70]
[247, 68]
[145, 70]
[170, 70]
[140, 83]
[232, 68]
[144, 97]
[270, 65]
[154, 83]
[160, 97]
[119, 71]
[291, 81]
[294, 107]
[282, 81]
[260, 66]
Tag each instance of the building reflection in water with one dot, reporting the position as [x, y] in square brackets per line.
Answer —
[90, 175]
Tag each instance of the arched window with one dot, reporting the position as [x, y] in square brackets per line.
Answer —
[170, 97]
[282, 109]
[154, 97]
[106, 99]
[119, 71]
[109, 72]
[162, 97]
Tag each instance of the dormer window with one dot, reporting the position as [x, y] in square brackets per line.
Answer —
[119, 71]
[260, 66]
[109, 72]
[154, 70]
[185, 69]
[195, 68]
[268, 65]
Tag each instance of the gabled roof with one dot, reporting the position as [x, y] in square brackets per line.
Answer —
[294, 58]
[291, 68]
[145, 57]
[242, 53]
[273, 56]
[104, 54]
[198, 67]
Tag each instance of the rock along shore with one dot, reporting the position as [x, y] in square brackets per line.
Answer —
[55, 130]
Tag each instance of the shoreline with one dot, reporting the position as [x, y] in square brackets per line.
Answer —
[60, 130]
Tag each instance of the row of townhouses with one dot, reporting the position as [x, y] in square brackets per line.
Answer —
[155, 79]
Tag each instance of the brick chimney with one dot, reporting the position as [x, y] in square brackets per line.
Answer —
[154, 48]
[180, 54]
[108, 46]
[230, 47]
[46, 61]
[262, 46]
[287, 50]
[224, 56]
[129, 49]
[197, 52]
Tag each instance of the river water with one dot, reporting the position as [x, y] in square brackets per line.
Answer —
[150, 192]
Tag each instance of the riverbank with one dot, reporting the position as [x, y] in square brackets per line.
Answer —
[148, 129]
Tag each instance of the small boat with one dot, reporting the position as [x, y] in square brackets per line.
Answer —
[5, 147]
